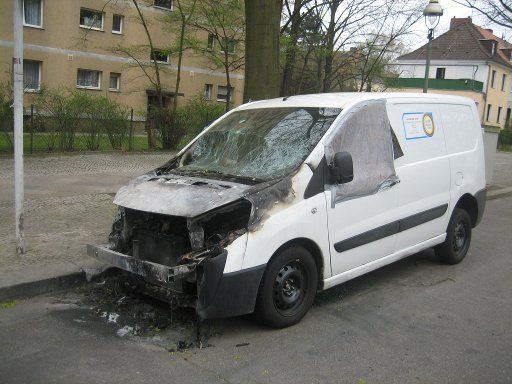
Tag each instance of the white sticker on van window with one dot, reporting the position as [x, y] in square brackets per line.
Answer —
[418, 125]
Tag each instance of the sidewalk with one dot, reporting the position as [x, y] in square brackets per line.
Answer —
[69, 204]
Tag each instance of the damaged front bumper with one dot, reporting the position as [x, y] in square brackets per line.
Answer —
[218, 294]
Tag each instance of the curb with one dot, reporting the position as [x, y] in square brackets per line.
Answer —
[498, 193]
[52, 284]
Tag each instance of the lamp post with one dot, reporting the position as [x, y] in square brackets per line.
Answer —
[432, 12]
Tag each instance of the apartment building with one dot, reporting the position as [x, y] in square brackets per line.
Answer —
[467, 60]
[96, 45]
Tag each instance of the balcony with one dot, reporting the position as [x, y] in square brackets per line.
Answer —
[446, 84]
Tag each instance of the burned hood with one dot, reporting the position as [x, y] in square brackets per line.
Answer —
[178, 195]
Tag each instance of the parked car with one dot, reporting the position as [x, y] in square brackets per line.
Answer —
[281, 198]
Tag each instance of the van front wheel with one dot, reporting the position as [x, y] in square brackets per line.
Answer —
[458, 238]
[288, 288]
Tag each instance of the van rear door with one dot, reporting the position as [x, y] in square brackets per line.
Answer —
[424, 172]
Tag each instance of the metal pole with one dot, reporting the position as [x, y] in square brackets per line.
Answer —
[427, 66]
[18, 123]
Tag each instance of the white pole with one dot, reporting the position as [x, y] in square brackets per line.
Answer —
[18, 123]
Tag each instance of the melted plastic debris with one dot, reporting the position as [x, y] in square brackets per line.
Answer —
[129, 314]
[112, 317]
[122, 332]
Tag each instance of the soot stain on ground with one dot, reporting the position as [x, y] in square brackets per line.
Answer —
[128, 314]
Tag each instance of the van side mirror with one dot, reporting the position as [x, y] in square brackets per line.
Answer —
[342, 168]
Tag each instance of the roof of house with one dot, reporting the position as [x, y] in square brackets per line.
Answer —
[465, 41]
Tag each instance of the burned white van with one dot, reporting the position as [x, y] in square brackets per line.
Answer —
[281, 198]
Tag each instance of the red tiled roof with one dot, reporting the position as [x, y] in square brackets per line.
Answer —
[464, 41]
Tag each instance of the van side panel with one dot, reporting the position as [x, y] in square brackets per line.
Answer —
[424, 171]
[464, 146]
[297, 219]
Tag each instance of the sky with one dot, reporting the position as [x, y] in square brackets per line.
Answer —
[450, 9]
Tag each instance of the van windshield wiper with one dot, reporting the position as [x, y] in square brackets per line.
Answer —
[219, 174]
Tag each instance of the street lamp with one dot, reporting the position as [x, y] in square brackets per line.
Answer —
[432, 12]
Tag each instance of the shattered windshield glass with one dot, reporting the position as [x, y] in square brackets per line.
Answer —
[259, 144]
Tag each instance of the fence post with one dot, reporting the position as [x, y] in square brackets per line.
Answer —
[31, 128]
[130, 136]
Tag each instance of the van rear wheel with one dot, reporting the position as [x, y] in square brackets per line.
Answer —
[288, 288]
[458, 238]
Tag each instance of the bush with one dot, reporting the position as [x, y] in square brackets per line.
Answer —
[189, 120]
[6, 113]
[505, 139]
[65, 116]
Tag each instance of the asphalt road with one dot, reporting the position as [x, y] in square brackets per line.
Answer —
[415, 321]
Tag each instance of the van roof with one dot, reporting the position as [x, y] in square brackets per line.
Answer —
[342, 99]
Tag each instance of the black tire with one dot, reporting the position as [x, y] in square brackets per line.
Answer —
[287, 289]
[458, 238]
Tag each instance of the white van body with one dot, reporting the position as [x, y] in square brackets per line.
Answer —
[438, 170]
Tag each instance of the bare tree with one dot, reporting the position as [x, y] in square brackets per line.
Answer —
[496, 11]
[224, 22]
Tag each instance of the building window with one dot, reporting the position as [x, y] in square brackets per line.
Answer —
[87, 78]
[161, 56]
[499, 115]
[31, 75]
[440, 72]
[211, 41]
[115, 82]
[91, 19]
[493, 78]
[117, 24]
[222, 93]
[228, 44]
[167, 4]
[33, 13]
[208, 91]
[488, 116]
[503, 81]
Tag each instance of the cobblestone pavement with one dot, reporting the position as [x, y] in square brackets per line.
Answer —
[68, 204]
[503, 170]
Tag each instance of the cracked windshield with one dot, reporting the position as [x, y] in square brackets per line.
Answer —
[259, 144]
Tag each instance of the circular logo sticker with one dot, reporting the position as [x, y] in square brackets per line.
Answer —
[428, 124]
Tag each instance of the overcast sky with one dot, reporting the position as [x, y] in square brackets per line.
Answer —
[451, 9]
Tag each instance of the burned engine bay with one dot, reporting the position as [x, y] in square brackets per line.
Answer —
[186, 224]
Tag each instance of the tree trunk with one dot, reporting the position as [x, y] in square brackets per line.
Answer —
[262, 49]
[291, 49]
[329, 56]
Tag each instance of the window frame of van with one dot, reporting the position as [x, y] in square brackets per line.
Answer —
[488, 114]
[493, 78]
[121, 24]
[503, 81]
[39, 69]
[499, 114]
[117, 75]
[162, 7]
[41, 10]
[207, 92]
[102, 29]
[441, 71]
[161, 51]
[88, 86]
[230, 94]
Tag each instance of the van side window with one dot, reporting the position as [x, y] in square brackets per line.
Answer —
[397, 150]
